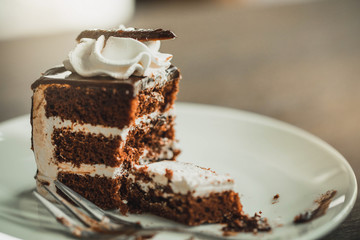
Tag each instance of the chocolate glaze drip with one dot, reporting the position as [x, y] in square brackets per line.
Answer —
[323, 204]
[138, 34]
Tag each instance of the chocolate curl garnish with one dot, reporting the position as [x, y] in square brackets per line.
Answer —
[138, 34]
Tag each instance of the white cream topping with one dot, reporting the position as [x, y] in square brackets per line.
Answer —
[117, 57]
[186, 177]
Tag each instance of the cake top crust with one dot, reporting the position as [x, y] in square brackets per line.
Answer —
[59, 75]
[138, 34]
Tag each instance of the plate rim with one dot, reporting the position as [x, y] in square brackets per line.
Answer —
[271, 122]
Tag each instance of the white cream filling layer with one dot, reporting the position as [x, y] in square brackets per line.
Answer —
[57, 122]
[186, 178]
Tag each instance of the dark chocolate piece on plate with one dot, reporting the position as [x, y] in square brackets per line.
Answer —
[323, 204]
[138, 34]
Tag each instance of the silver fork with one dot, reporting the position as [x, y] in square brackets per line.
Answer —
[95, 222]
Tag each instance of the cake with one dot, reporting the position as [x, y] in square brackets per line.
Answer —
[103, 124]
[87, 130]
[182, 192]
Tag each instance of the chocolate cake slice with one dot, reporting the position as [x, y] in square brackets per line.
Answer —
[103, 124]
[87, 130]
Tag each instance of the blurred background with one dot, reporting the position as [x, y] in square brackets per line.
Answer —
[293, 60]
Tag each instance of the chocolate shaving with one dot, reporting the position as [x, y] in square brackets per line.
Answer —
[138, 34]
[323, 204]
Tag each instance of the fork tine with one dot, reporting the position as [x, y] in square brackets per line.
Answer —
[64, 219]
[90, 207]
[117, 219]
[82, 202]
[117, 232]
[88, 221]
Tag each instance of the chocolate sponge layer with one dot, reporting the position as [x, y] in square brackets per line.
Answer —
[187, 209]
[93, 105]
[109, 107]
[105, 101]
[102, 191]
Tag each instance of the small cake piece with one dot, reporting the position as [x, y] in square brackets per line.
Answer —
[182, 192]
[108, 107]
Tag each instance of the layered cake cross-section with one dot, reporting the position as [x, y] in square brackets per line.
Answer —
[88, 130]
[103, 124]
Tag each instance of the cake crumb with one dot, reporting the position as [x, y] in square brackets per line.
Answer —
[144, 237]
[229, 233]
[244, 223]
[143, 169]
[169, 174]
[275, 199]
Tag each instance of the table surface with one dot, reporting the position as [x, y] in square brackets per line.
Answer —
[299, 63]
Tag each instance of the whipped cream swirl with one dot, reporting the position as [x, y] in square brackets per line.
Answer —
[117, 57]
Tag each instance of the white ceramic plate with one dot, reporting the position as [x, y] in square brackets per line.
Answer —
[265, 156]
